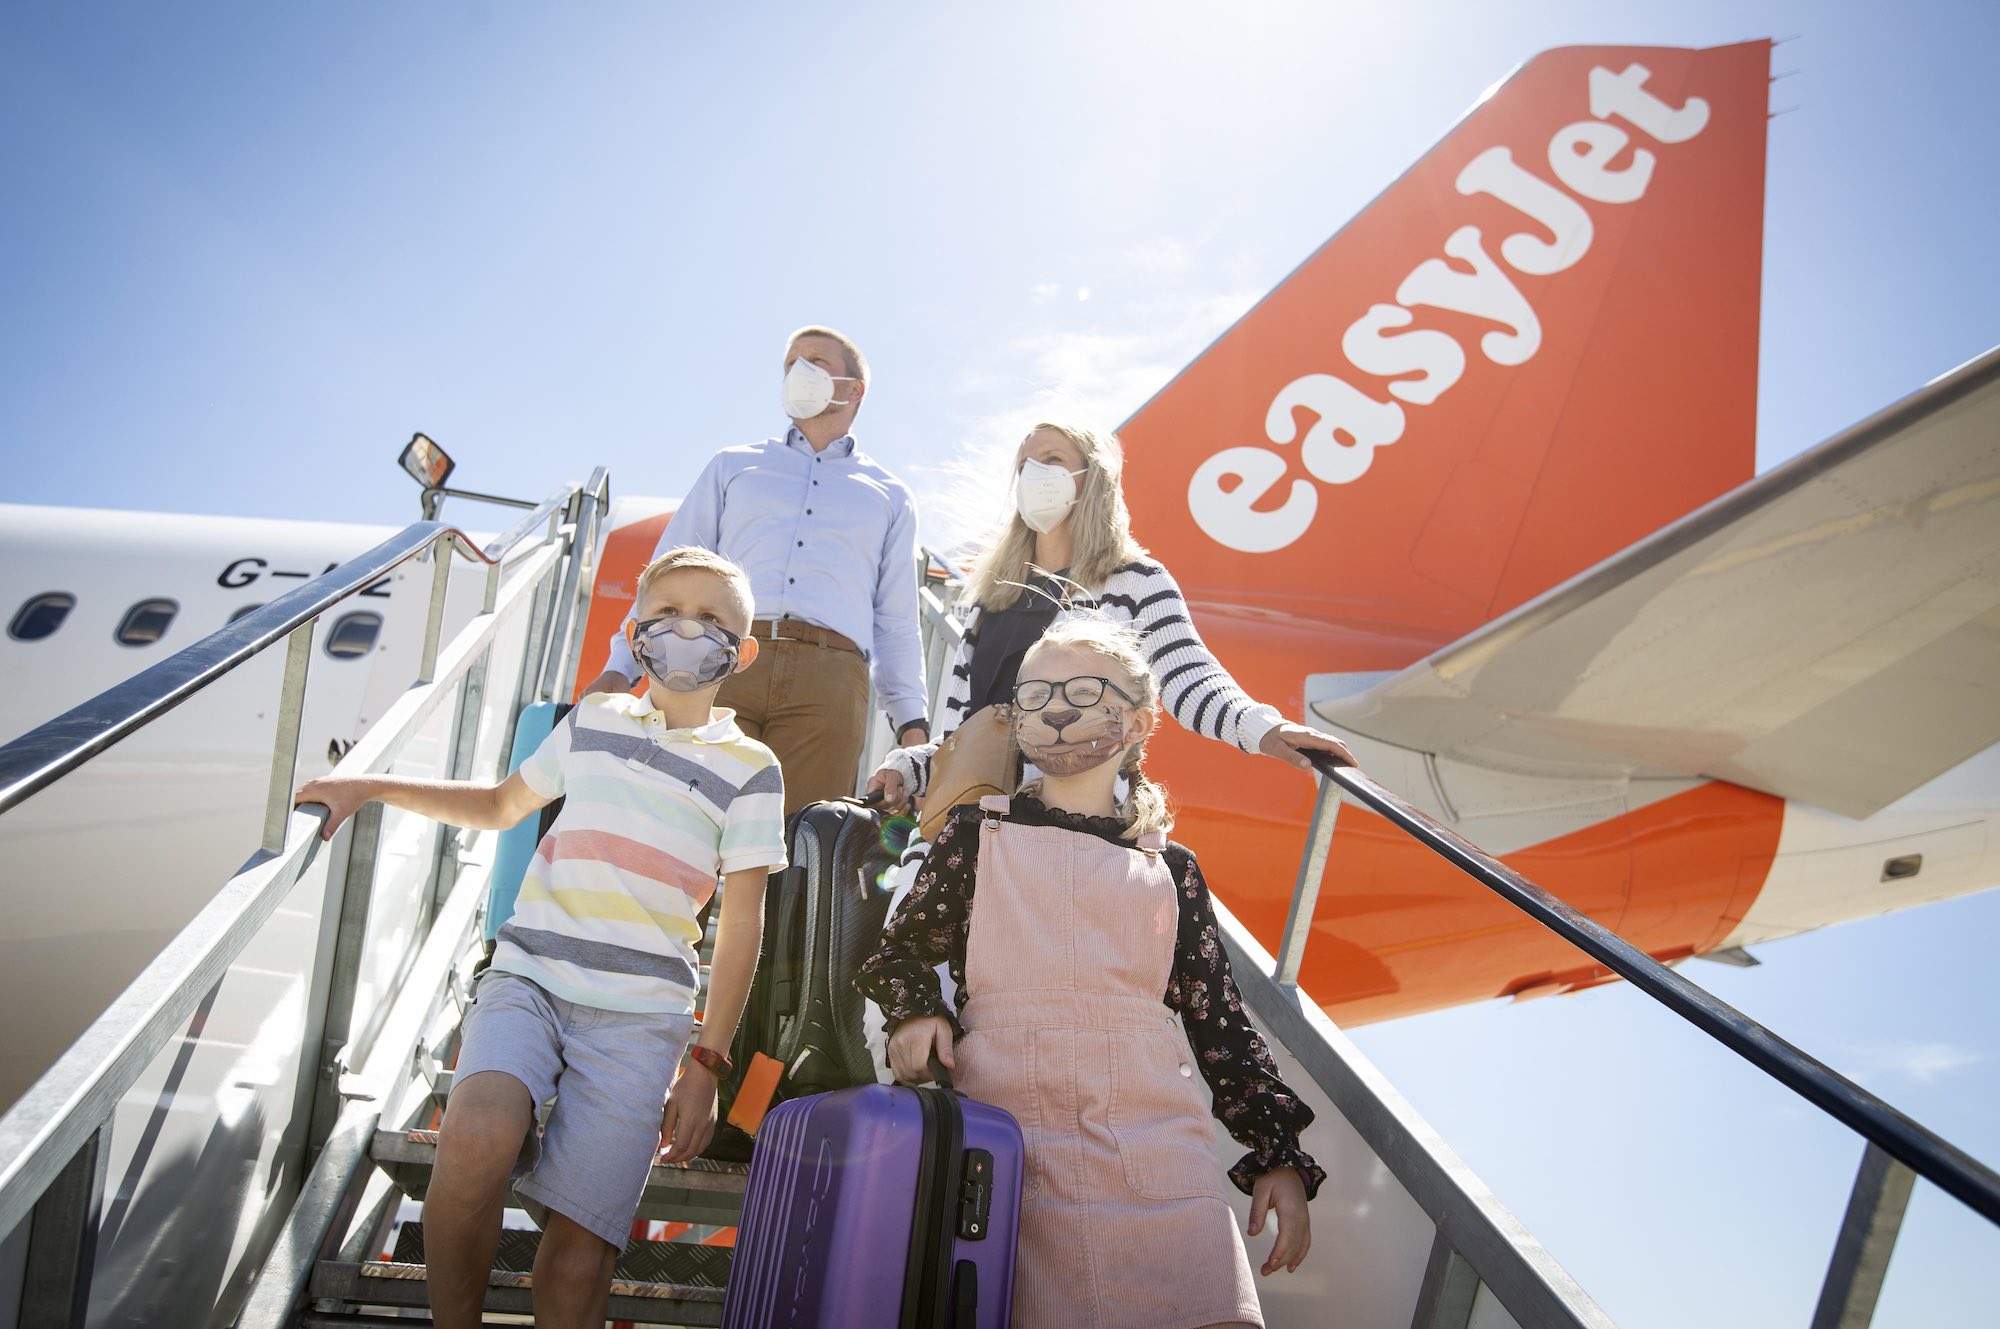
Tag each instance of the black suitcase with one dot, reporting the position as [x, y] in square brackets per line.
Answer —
[823, 915]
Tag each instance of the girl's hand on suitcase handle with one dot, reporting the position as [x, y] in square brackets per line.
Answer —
[913, 1045]
[1282, 1193]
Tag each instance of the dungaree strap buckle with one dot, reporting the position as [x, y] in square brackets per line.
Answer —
[1152, 843]
[995, 806]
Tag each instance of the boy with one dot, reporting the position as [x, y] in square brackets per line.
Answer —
[590, 996]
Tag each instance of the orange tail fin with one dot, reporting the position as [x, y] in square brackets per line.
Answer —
[1537, 346]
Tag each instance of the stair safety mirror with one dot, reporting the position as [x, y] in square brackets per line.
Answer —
[425, 462]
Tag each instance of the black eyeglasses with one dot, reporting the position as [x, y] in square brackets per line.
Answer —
[1084, 691]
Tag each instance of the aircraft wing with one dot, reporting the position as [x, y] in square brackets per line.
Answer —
[1828, 632]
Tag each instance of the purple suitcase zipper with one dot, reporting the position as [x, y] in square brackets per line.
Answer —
[879, 1206]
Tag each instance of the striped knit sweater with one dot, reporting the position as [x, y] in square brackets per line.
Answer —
[1194, 686]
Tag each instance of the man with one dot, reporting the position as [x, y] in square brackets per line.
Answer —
[829, 539]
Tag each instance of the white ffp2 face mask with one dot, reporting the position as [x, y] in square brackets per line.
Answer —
[1044, 494]
[809, 390]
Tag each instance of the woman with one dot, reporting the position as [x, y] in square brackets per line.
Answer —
[1068, 545]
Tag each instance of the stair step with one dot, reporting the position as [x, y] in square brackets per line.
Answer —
[382, 1283]
[697, 1192]
[682, 1261]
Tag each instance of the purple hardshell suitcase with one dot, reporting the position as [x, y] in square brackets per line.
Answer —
[879, 1206]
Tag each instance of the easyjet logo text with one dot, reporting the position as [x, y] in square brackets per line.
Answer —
[1422, 363]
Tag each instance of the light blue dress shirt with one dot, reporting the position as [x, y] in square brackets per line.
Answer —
[827, 537]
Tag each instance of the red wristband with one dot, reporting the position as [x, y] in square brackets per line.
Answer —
[716, 1063]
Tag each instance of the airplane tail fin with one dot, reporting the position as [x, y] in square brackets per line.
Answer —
[1536, 346]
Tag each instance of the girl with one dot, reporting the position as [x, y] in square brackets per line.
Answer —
[1067, 540]
[1077, 935]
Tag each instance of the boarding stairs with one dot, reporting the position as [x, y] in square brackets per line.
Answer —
[246, 1135]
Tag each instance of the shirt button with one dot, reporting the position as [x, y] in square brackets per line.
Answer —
[1187, 1071]
[802, 544]
[809, 511]
[790, 581]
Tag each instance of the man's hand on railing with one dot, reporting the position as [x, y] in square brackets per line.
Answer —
[1290, 742]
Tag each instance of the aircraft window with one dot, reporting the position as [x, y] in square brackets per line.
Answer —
[353, 635]
[146, 622]
[246, 609]
[41, 616]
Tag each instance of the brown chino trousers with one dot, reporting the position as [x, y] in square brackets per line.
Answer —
[808, 704]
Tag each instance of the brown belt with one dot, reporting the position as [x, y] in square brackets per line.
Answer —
[790, 629]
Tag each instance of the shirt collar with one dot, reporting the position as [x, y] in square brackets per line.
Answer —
[721, 726]
[840, 447]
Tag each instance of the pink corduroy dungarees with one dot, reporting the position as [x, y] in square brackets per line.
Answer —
[1123, 1215]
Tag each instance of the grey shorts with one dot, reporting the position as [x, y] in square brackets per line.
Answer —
[599, 1082]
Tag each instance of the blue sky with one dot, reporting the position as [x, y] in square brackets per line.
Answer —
[245, 250]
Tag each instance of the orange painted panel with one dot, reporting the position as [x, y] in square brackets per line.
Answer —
[627, 550]
[1400, 931]
[1698, 861]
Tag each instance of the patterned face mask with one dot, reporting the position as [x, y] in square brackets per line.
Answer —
[685, 654]
[1069, 727]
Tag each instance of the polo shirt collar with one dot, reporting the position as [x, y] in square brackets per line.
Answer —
[840, 447]
[721, 726]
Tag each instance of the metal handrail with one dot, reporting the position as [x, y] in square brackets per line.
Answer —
[536, 517]
[933, 559]
[579, 585]
[52, 1141]
[1932, 1157]
[1470, 1219]
[52, 750]
[41, 1130]
[327, 1199]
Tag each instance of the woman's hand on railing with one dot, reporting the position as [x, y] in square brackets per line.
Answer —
[888, 782]
[1290, 742]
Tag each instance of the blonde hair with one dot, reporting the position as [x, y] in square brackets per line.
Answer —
[857, 363]
[1145, 808]
[1100, 527]
[703, 560]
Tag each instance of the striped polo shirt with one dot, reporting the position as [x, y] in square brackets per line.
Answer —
[654, 817]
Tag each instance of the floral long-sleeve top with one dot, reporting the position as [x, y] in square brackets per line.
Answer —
[933, 922]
